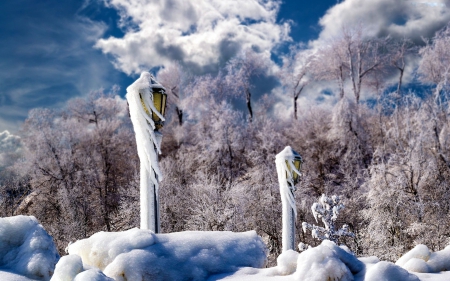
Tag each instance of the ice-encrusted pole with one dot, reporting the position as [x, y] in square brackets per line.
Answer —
[287, 173]
[148, 141]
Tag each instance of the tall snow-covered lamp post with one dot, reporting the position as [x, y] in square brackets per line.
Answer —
[288, 163]
[147, 102]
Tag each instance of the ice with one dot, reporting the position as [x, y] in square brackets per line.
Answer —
[192, 255]
[138, 96]
[26, 248]
[285, 180]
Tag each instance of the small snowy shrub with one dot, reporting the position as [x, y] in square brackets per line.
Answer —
[327, 209]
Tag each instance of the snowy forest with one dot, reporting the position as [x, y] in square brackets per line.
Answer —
[387, 158]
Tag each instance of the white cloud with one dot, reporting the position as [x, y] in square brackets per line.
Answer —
[198, 33]
[9, 144]
[400, 18]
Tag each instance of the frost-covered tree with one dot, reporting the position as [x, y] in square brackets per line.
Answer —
[80, 161]
[294, 74]
[327, 210]
[435, 64]
[241, 69]
[174, 78]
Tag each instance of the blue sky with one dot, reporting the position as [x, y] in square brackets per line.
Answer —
[47, 55]
[54, 50]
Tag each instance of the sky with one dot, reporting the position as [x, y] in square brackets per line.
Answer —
[55, 50]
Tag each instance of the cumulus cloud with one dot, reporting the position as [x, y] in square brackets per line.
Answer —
[412, 19]
[200, 34]
[9, 144]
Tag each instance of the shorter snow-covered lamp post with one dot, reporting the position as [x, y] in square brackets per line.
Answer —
[288, 163]
[147, 102]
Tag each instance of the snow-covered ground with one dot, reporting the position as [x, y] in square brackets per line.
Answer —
[28, 253]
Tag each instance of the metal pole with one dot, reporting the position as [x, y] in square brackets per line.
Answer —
[290, 231]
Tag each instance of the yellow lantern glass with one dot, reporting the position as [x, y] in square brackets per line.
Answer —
[159, 101]
[297, 164]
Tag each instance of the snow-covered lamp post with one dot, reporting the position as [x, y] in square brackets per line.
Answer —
[147, 102]
[288, 164]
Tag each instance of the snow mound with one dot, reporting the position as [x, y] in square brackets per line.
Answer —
[440, 261]
[419, 252]
[387, 271]
[139, 254]
[26, 248]
[93, 274]
[421, 260]
[287, 262]
[67, 268]
[327, 262]
[103, 247]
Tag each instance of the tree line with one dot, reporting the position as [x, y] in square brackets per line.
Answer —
[389, 161]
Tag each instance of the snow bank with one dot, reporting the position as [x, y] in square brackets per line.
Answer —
[26, 248]
[387, 271]
[139, 254]
[287, 262]
[421, 260]
[327, 262]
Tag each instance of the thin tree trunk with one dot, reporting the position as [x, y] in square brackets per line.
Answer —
[249, 105]
[180, 115]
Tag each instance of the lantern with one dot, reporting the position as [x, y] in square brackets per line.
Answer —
[297, 164]
[159, 101]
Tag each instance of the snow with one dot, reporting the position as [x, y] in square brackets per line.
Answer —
[28, 253]
[135, 253]
[421, 260]
[139, 95]
[26, 248]
[387, 271]
[327, 262]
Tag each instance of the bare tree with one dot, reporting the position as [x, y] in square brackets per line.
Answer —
[399, 50]
[435, 64]
[241, 69]
[351, 56]
[294, 74]
[175, 79]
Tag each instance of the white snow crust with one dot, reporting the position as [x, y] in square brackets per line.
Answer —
[28, 253]
[139, 254]
[421, 260]
[387, 271]
[26, 248]
[327, 262]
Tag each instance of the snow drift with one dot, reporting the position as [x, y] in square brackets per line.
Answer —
[26, 248]
[327, 262]
[139, 254]
[421, 260]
